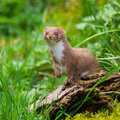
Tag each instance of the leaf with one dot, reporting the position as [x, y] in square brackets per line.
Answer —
[81, 26]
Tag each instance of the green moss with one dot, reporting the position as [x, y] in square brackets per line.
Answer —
[111, 114]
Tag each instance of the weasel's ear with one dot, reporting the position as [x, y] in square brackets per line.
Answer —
[45, 29]
[61, 30]
[44, 32]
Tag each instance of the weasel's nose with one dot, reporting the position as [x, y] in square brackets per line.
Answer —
[50, 37]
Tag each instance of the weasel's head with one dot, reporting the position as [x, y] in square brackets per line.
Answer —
[53, 34]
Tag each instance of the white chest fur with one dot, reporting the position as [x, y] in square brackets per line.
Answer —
[57, 49]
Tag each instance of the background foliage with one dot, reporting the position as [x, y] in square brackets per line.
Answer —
[26, 71]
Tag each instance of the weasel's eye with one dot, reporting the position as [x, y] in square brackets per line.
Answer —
[46, 33]
[56, 33]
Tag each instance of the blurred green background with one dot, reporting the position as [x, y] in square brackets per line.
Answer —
[26, 71]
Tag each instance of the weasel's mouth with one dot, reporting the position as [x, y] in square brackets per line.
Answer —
[50, 38]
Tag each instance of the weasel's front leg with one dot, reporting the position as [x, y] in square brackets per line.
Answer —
[56, 70]
[69, 76]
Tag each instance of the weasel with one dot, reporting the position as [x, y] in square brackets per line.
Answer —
[68, 59]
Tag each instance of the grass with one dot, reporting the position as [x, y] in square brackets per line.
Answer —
[18, 84]
[96, 35]
[26, 71]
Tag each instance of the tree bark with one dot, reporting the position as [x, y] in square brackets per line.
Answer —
[76, 89]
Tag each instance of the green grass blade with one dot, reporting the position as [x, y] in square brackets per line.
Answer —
[109, 58]
[96, 35]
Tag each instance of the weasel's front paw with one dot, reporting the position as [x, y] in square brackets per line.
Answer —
[58, 75]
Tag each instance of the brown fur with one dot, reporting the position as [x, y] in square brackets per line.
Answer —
[75, 59]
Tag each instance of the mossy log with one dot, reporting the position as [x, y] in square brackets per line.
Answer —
[76, 89]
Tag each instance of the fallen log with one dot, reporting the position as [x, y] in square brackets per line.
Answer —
[76, 89]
